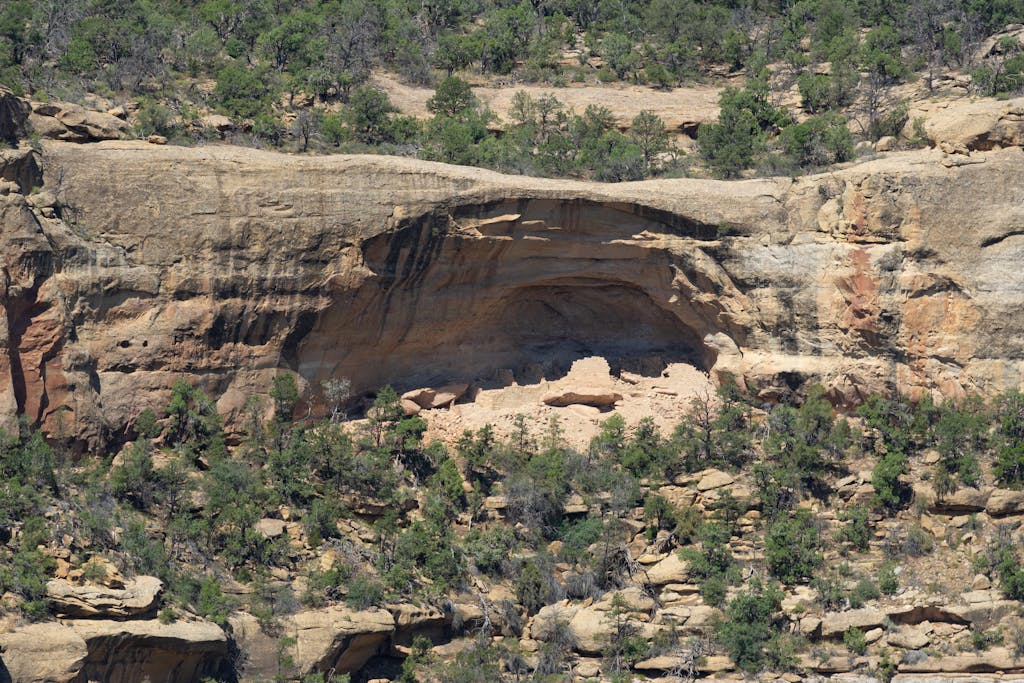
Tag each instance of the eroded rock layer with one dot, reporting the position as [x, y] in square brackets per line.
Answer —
[136, 264]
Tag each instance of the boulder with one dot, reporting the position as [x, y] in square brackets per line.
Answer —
[632, 597]
[996, 44]
[74, 123]
[809, 626]
[715, 663]
[47, 127]
[338, 639]
[270, 528]
[42, 653]
[427, 398]
[591, 627]
[107, 572]
[910, 637]
[835, 624]
[41, 200]
[543, 624]
[588, 668]
[410, 408]
[218, 122]
[673, 569]
[982, 613]
[829, 663]
[1004, 502]
[678, 496]
[886, 143]
[963, 500]
[19, 171]
[587, 396]
[714, 479]
[661, 664]
[139, 597]
[979, 125]
[131, 651]
[981, 582]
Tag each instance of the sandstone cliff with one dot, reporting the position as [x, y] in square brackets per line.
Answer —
[136, 264]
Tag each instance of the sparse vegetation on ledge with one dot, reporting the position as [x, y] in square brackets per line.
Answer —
[819, 75]
[367, 513]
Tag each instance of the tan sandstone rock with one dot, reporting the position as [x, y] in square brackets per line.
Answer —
[339, 639]
[588, 396]
[345, 243]
[977, 125]
[43, 653]
[139, 597]
[128, 651]
[673, 569]
[910, 637]
[835, 624]
[1005, 502]
[436, 398]
[714, 479]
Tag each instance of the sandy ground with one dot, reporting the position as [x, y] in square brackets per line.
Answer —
[679, 107]
[665, 398]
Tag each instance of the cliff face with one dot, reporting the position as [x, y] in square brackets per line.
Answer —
[137, 264]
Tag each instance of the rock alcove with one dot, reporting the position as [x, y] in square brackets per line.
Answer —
[527, 286]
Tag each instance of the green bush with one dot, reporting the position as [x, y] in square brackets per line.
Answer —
[857, 531]
[731, 145]
[532, 591]
[753, 626]
[712, 566]
[819, 141]
[917, 542]
[855, 641]
[211, 601]
[1002, 557]
[960, 431]
[793, 547]
[982, 640]
[831, 595]
[745, 117]
[490, 550]
[135, 481]
[578, 535]
[890, 491]
[25, 574]
[364, 593]
[864, 590]
[888, 583]
[324, 585]
[431, 550]
[322, 521]
[368, 116]
[715, 435]
[193, 423]
[241, 92]
[152, 117]
[1009, 439]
